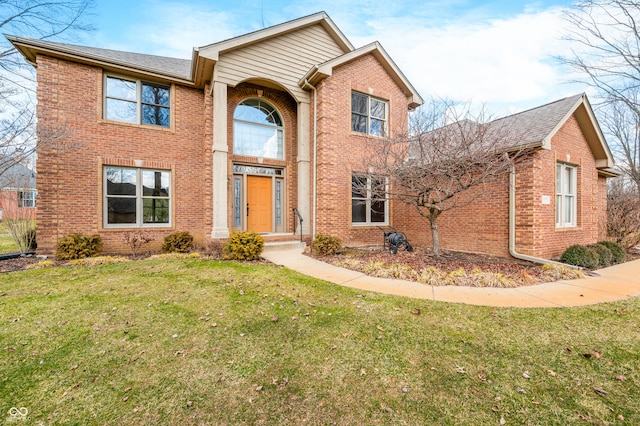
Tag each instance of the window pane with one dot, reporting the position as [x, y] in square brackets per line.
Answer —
[121, 111]
[558, 179]
[155, 210]
[378, 109]
[121, 181]
[559, 209]
[377, 127]
[358, 123]
[121, 210]
[358, 211]
[257, 111]
[568, 189]
[122, 89]
[568, 208]
[155, 95]
[359, 103]
[377, 211]
[358, 187]
[155, 115]
[155, 183]
[257, 141]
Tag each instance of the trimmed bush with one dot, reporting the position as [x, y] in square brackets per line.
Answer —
[178, 242]
[78, 246]
[617, 252]
[578, 255]
[604, 254]
[243, 245]
[326, 245]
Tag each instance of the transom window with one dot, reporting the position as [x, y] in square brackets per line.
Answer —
[136, 101]
[136, 197]
[368, 115]
[566, 210]
[369, 203]
[258, 130]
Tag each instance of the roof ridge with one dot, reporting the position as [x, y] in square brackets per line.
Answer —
[540, 106]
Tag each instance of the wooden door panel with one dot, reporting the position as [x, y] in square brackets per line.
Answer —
[259, 204]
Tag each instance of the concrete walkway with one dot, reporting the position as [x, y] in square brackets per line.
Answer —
[614, 283]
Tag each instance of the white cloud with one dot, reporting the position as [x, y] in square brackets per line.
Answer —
[506, 62]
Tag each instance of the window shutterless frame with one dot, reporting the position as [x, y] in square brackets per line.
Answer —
[136, 101]
[136, 197]
[369, 200]
[566, 195]
[369, 115]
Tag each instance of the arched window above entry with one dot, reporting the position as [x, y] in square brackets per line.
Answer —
[258, 130]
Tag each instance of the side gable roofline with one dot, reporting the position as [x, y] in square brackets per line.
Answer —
[322, 71]
[591, 130]
[159, 67]
[212, 51]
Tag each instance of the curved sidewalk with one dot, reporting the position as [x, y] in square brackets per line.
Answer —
[614, 283]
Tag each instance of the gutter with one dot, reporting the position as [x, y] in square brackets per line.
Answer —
[512, 228]
[315, 152]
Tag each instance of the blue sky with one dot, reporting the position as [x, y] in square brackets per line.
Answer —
[495, 52]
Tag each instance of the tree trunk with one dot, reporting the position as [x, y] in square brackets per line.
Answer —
[435, 233]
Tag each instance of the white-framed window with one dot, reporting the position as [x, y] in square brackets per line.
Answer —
[136, 101]
[27, 198]
[368, 114]
[566, 200]
[369, 201]
[258, 130]
[135, 197]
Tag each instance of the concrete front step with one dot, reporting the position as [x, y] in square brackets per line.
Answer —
[271, 246]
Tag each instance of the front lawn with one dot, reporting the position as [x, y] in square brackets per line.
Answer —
[192, 341]
[7, 244]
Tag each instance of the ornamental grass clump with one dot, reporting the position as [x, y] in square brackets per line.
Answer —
[552, 272]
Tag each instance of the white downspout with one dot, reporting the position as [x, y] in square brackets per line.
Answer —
[512, 227]
[307, 85]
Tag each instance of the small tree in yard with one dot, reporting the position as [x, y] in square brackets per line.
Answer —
[17, 203]
[446, 155]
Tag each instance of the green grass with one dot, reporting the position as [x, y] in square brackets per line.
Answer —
[7, 245]
[135, 343]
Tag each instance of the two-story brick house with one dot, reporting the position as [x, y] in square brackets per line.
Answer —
[250, 129]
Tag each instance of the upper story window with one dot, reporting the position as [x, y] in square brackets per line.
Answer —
[368, 115]
[258, 130]
[566, 200]
[136, 101]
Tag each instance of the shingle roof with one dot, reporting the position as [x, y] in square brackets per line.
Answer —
[16, 175]
[536, 124]
[174, 67]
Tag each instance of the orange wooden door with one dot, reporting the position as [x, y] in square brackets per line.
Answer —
[259, 208]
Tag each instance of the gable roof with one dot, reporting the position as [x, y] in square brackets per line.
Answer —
[537, 126]
[16, 176]
[199, 70]
[159, 66]
[322, 71]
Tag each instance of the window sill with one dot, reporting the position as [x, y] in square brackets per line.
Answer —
[120, 228]
[568, 228]
[138, 126]
[367, 136]
[368, 225]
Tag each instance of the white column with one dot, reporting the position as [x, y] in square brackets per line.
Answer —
[220, 162]
[304, 166]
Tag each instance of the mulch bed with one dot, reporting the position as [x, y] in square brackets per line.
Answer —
[449, 261]
[17, 264]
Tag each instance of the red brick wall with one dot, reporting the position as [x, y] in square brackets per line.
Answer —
[482, 226]
[341, 151]
[70, 171]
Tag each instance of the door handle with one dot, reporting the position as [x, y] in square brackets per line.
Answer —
[247, 209]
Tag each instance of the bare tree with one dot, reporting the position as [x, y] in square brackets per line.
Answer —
[606, 48]
[43, 19]
[449, 152]
[623, 213]
[18, 205]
